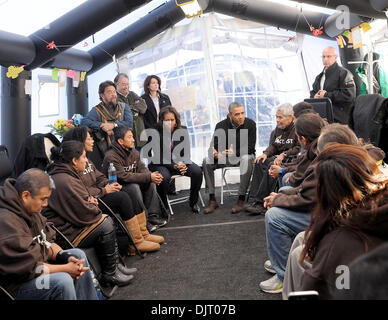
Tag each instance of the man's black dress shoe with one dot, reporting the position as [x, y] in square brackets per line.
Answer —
[195, 208]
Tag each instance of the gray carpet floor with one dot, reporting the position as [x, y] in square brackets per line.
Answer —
[219, 256]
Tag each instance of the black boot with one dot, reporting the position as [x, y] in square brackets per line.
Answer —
[107, 252]
[123, 268]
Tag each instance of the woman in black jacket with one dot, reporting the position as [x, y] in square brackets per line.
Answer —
[155, 100]
[173, 156]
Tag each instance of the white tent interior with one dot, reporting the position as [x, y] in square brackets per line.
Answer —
[205, 63]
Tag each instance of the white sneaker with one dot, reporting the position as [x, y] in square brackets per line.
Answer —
[272, 285]
[268, 267]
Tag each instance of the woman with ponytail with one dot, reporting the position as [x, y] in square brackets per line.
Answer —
[75, 212]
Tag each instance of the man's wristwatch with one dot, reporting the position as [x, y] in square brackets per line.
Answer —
[116, 125]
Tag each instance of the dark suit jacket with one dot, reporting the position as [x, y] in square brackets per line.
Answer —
[150, 117]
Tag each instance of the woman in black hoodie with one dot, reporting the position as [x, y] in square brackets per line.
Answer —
[351, 217]
[75, 212]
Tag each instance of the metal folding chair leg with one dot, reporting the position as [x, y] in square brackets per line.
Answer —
[223, 180]
[122, 226]
[181, 199]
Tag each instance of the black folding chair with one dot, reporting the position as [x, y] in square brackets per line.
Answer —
[5, 164]
[92, 259]
[323, 107]
[5, 295]
[123, 228]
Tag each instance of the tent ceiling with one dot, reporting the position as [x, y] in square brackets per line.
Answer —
[361, 7]
[78, 24]
[96, 13]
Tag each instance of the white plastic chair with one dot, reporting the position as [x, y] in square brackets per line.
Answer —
[223, 180]
[170, 202]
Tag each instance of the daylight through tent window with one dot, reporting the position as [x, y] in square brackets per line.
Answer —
[48, 98]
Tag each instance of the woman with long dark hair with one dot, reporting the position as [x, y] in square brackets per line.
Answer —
[120, 201]
[173, 157]
[75, 212]
[351, 216]
[155, 100]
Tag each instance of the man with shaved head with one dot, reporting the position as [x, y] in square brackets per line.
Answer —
[336, 83]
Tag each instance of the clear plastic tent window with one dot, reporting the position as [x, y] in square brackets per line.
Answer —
[224, 60]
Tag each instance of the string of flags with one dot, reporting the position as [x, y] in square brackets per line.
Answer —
[60, 75]
[353, 36]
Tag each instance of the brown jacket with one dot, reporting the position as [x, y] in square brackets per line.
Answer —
[68, 206]
[301, 198]
[129, 167]
[300, 167]
[22, 251]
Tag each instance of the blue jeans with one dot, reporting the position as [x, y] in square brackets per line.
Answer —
[282, 226]
[282, 180]
[60, 285]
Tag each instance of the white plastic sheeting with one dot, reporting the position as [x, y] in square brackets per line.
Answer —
[225, 59]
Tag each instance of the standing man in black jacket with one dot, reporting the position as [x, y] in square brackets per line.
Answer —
[233, 144]
[336, 83]
[138, 106]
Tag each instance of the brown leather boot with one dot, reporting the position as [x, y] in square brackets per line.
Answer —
[142, 244]
[141, 218]
[213, 205]
[239, 206]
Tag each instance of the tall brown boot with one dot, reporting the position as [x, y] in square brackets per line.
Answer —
[141, 217]
[142, 244]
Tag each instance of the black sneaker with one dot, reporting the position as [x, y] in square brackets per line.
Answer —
[151, 227]
[155, 220]
[255, 209]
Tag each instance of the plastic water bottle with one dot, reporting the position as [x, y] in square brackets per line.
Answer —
[112, 176]
[96, 285]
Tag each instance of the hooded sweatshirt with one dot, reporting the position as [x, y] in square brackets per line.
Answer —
[342, 245]
[129, 167]
[94, 180]
[22, 247]
[283, 141]
[68, 207]
[303, 162]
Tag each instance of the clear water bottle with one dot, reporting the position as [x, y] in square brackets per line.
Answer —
[96, 285]
[112, 176]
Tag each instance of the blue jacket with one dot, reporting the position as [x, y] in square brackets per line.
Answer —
[93, 119]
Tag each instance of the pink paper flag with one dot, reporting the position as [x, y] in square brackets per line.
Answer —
[70, 74]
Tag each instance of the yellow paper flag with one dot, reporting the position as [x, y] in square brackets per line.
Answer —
[365, 26]
[13, 71]
[83, 74]
[340, 42]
